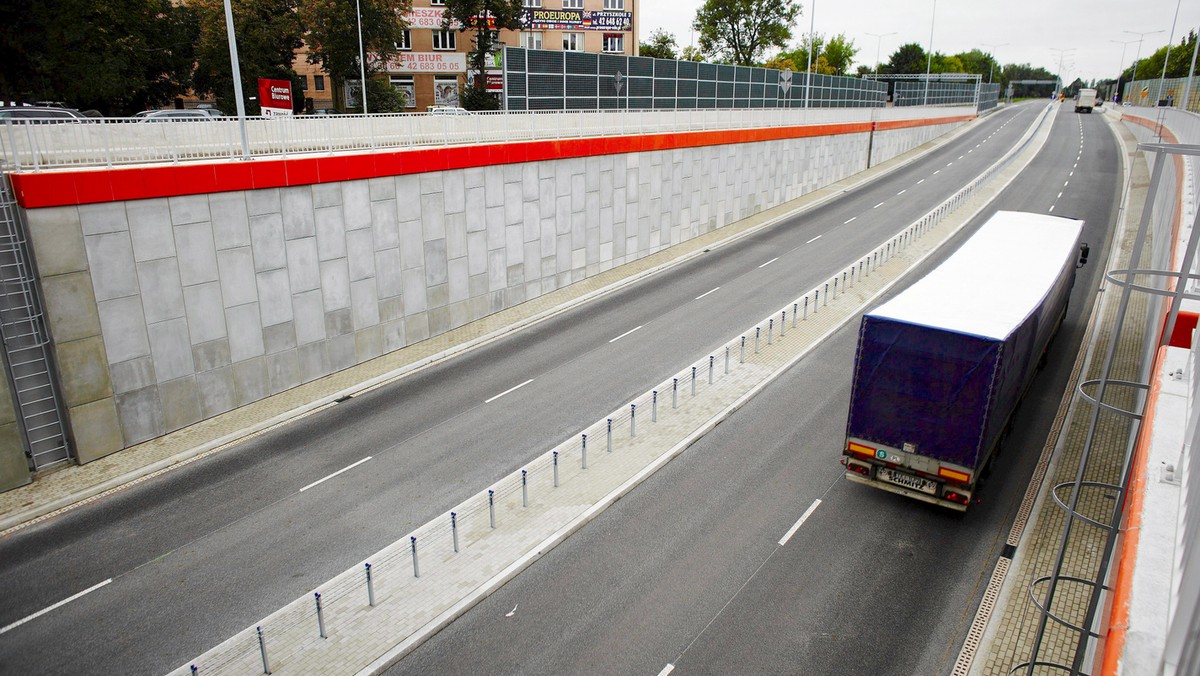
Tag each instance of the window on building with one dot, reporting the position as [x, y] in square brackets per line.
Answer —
[531, 39]
[404, 85]
[572, 4]
[572, 42]
[533, 3]
[319, 82]
[614, 4]
[303, 83]
[437, 2]
[614, 42]
[444, 39]
[405, 40]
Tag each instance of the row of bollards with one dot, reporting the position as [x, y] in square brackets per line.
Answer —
[800, 311]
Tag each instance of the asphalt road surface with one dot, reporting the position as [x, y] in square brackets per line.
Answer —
[201, 552]
[687, 570]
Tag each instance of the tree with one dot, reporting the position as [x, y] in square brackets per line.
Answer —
[743, 29]
[799, 55]
[840, 52]
[1151, 67]
[268, 33]
[691, 53]
[1025, 71]
[909, 59]
[661, 45]
[117, 56]
[783, 62]
[332, 36]
[485, 18]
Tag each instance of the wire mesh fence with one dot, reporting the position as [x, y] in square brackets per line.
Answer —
[392, 576]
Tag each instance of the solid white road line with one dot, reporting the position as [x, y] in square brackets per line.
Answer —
[666, 670]
[697, 298]
[769, 262]
[804, 517]
[47, 609]
[347, 468]
[611, 341]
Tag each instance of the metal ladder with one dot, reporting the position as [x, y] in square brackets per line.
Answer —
[28, 361]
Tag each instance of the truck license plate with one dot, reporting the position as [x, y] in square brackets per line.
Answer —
[907, 480]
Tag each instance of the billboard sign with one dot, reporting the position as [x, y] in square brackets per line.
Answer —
[428, 62]
[275, 96]
[577, 19]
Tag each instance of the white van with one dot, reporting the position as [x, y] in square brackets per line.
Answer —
[1085, 100]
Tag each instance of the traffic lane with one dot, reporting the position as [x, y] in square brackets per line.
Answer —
[631, 589]
[208, 495]
[260, 497]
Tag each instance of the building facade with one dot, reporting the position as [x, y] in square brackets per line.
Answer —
[431, 63]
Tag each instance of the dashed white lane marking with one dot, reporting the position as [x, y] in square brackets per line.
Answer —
[61, 603]
[920, 181]
[611, 341]
[1051, 207]
[819, 236]
[878, 205]
[950, 164]
[769, 262]
[960, 157]
[1059, 196]
[1066, 184]
[852, 218]
[1071, 174]
[901, 192]
[804, 517]
[666, 670]
[706, 293]
[349, 467]
[938, 171]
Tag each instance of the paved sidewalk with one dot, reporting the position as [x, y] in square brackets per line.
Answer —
[422, 583]
[1011, 632]
[71, 486]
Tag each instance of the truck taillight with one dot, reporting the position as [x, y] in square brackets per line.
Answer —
[865, 451]
[859, 469]
[954, 475]
[954, 496]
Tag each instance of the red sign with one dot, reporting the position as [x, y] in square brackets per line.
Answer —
[275, 96]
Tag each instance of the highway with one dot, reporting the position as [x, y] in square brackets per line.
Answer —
[201, 552]
[688, 570]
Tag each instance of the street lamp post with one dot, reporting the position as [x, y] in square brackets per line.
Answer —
[812, 20]
[878, 43]
[929, 61]
[1058, 76]
[237, 80]
[362, 64]
[1121, 66]
[992, 59]
[1141, 36]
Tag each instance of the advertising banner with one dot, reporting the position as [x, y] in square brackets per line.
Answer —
[578, 19]
[275, 96]
[428, 62]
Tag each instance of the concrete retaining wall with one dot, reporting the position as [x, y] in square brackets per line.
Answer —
[168, 311]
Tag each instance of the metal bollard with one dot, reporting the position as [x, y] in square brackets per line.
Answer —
[492, 507]
[843, 281]
[454, 529]
[783, 323]
[834, 289]
[851, 276]
[556, 469]
[416, 567]
[806, 307]
[262, 649]
[770, 329]
[654, 406]
[195, 670]
[693, 381]
[610, 435]
[826, 293]
[584, 451]
[795, 311]
[711, 361]
[320, 616]
[726, 360]
[757, 333]
[524, 488]
[633, 420]
[742, 356]
[674, 393]
[370, 586]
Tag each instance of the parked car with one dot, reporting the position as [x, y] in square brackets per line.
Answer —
[173, 115]
[209, 109]
[40, 114]
[448, 110]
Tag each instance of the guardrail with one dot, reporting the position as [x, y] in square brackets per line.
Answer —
[36, 145]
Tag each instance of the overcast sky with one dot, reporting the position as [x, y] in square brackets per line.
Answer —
[1030, 27]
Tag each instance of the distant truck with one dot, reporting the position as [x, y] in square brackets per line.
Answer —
[941, 367]
[1085, 100]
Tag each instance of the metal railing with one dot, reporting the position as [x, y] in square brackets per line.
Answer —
[30, 146]
[387, 577]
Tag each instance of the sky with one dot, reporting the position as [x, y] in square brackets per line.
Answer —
[1018, 31]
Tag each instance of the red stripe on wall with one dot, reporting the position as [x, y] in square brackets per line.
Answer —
[89, 186]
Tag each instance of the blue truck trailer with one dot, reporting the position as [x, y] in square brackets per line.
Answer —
[941, 367]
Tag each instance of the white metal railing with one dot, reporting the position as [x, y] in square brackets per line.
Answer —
[31, 145]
